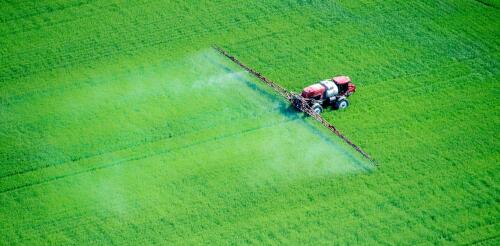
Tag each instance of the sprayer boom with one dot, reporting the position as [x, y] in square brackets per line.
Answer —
[293, 98]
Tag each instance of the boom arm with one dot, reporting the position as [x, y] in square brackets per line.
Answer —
[289, 96]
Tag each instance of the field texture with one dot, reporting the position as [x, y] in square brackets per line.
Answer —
[119, 124]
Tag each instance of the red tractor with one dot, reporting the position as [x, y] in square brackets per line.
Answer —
[330, 92]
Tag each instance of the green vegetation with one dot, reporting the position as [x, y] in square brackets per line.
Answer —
[120, 125]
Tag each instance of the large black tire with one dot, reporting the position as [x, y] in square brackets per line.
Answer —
[317, 108]
[341, 104]
[297, 104]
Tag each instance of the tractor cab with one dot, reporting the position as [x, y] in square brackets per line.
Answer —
[344, 84]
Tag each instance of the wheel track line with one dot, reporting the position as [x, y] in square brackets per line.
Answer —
[41, 223]
[84, 17]
[15, 98]
[153, 26]
[107, 51]
[154, 141]
[37, 13]
[213, 11]
[70, 59]
[486, 4]
[35, 91]
[138, 157]
[135, 42]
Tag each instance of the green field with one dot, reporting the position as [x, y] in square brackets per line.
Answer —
[119, 124]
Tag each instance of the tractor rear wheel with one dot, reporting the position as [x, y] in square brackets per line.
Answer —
[341, 104]
[317, 108]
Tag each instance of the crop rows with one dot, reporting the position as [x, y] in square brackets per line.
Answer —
[119, 125]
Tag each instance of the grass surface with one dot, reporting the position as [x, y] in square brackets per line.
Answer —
[119, 125]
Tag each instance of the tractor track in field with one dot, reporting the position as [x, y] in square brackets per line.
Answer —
[484, 3]
[38, 13]
[18, 96]
[153, 35]
[149, 30]
[486, 239]
[85, 16]
[104, 8]
[152, 141]
[138, 157]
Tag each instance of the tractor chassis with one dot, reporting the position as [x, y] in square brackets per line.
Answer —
[316, 104]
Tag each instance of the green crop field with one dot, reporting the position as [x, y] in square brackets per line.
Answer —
[120, 125]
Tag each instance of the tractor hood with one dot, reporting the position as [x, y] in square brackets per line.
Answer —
[313, 91]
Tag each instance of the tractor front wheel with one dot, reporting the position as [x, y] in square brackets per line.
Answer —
[341, 104]
[317, 108]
